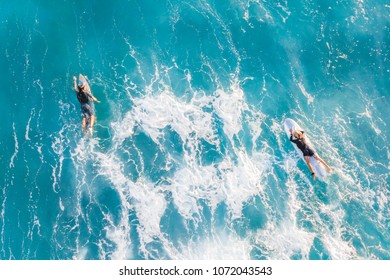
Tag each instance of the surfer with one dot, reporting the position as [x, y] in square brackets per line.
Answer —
[86, 99]
[307, 151]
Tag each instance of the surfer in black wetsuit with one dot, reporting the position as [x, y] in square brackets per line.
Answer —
[307, 151]
[86, 100]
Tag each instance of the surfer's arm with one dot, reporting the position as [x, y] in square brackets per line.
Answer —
[93, 97]
[291, 136]
[75, 83]
[90, 93]
[295, 141]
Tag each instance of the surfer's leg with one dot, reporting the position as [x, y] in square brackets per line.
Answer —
[84, 126]
[317, 157]
[307, 159]
[93, 119]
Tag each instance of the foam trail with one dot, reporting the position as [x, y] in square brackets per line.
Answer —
[310, 98]
[28, 124]
[11, 163]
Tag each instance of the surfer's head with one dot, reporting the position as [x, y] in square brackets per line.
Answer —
[297, 134]
[81, 85]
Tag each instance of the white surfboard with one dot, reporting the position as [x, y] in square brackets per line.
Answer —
[319, 169]
[83, 79]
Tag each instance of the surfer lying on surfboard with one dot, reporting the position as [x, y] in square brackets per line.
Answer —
[86, 99]
[306, 150]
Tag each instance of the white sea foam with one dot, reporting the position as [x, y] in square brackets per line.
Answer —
[285, 240]
[219, 246]
[232, 181]
[289, 239]
[229, 106]
[310, 98]
[154, 113]
[142, 196]
[334, 242]
[81, 254]
[28, 124]
[11, 163]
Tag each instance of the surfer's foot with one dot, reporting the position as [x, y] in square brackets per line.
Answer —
[90, 131]
[313, 175]
[329, 169]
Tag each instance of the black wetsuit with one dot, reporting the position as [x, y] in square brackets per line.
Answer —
[87, 106]
[303, 146]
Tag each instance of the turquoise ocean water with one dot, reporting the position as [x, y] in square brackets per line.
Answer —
[189, 158]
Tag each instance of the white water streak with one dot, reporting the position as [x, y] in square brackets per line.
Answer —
[11, 164]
